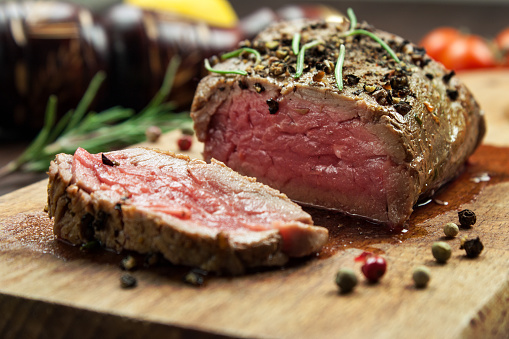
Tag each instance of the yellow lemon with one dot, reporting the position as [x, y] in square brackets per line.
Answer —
[214, 12]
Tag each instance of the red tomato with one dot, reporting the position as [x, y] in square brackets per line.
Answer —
[438, 39]
[458, 51]
[467, 52]
[502, 41]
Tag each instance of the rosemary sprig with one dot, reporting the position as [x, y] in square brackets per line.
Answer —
[300, 56]
[376, 38]
[233, 54]
[338, 71]
[352, 17]
[296, 43]
[353, 31]
[210, 69]
[239, 51]
[97, 132]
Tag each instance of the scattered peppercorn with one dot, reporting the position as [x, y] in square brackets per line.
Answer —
[127, 281]
[258, 87]
[421, 276]
[242, 84]
[195, 277]
[272, 45]
[467, 218]
[473, 247]
[153, 133]
[451, 229]
[441, 251]
[346, 279]
[185, 142]
[369, 88]
[452, 94]
[128, 263]
[447, 77]
[108, 162]
[318, 76]
[351, 80]
[273, 106]
[403, 108]
[374, 268]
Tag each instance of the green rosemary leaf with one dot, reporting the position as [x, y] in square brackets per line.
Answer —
[338, 72]
[92, 121]
[86, 100]
[352, 17]
[42, 138]
[296, 43]
[300, 57]
[210, 69]
[377, 39]
[239, 51]
[166, 86]
[97, 132]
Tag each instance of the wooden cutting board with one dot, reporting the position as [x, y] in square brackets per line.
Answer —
[49, 289]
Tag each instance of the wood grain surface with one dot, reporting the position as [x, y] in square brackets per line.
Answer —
[49, 289]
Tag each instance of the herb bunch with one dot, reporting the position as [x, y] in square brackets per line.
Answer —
[113, 128]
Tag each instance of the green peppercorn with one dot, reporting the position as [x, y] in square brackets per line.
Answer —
[346, 279]
[466, 218]
[451, 230]
[441, 251]
[421, 276]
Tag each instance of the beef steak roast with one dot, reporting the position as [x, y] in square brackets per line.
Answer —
[193, 213]
[396, 132]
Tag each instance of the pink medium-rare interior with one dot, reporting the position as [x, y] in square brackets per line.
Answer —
[174, 189]
[314, 153]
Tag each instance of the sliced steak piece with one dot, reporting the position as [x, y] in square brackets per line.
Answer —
[194, 213]
[394, 134]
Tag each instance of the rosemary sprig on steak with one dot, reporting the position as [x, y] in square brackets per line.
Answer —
[113, 128]
[300, 56]
[339, 67]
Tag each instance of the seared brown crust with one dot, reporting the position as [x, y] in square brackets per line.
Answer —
[80, 217]
[430, 124]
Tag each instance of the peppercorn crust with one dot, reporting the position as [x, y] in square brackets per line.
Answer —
[425, 118]
[80, 217]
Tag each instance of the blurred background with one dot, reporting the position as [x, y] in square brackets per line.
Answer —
[61, 55]
[409, 18]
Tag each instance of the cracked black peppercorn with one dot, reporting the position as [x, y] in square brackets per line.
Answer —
[108, 162]
[402, 108]
[467, 218]
[242, 84]
[273, 106]
[447, 77]
[452, 94]
[472, 247]
[258, 87]
[128, 281]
